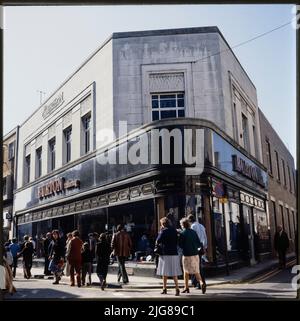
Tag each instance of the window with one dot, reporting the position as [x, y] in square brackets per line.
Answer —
[11, 150]
[255, 141]
[289, 222]
[282, 216]
[283, 169]
[4, 186]
[269, 157]
[68, 141]
[235, 126]
[167, 106]
[86, 125]
[277, 165]
[38, 163]
[245, 132]
[289, 175]
[274, 213]
[52, 154]
[27, 170]
[294, 182]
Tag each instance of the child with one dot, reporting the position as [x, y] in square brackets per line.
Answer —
[87, 263]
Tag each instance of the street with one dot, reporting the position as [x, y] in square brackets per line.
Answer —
[272, 284]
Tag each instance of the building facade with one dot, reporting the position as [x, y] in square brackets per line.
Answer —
[282, 181]
[157, 81]
[9, 175]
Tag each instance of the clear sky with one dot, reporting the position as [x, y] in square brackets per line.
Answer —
[44, 45]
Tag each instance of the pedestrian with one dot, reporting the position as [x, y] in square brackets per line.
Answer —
[92, 241]
[46, 246]
[74, 258]
[8, 273]
[281, 244]
[33, 244]
[14, 249]
[27, 253]
[103, 251]
[201, 233]
[190, 243]
[56, 256]
[69, 238]
[121, 245]
[87, 262]
[168, 261]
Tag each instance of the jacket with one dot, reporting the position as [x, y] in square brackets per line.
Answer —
[281, 242]
[168, 240]
[121, 244]
[75, 250]
[189, 242]
[57, 250]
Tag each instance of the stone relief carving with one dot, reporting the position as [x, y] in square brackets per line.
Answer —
[166, 82]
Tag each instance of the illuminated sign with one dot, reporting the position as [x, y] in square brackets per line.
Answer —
[57, 186]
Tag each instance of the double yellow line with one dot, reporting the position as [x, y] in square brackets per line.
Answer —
[272, 273]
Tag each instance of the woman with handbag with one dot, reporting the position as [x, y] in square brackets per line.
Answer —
[190, 244]
[166, 248]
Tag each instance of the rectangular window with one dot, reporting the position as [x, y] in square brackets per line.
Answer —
[170, 105]
[283, 169]
[277, 165]
[294, 183]
[68, 142]
[255, 141]
[27, 169]
[289, 222]
[245, 132]
[52, 145]
[235, 126]
[4, 186]
[11, 151]
[289, 176]
[282, 216]
[86, 125]
[38, 162]
[274, 213]
[269, 157]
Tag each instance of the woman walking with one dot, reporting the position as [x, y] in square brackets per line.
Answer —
[103, 251]
[190, 243]
[56, 256]
[168, 262]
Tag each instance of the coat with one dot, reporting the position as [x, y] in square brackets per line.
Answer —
[281, 242]
[168, 240]
[121, 244]
[189, 242]
[75, 250]
[57, 250]
[103, 251]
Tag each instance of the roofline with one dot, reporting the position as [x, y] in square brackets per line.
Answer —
[145, 33]
[290, 154]
[10, 133]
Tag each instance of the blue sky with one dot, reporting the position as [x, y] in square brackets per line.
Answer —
[44, 45]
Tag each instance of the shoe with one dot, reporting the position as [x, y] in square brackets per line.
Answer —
[72, 284]
[203, 288]
[56, 282]
[164, 291]
[177, 292]
[79, 285]
[102, 287]
[186, 291]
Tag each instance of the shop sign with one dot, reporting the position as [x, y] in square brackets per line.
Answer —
[57, 102]
[252, 201]
[250, 171]
[57, 186]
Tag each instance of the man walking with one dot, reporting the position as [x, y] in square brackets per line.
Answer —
[46, 245]
[201, 232]
[281, 244]
[121, 245]
[74, 258]
[27, 253]
[14, 249]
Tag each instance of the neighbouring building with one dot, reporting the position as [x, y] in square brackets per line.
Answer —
[156, 81]
[9, 175]
[282, 181]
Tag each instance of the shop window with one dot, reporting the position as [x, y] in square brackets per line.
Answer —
[169, 105]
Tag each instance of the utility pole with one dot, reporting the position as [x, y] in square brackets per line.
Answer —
[41, 95]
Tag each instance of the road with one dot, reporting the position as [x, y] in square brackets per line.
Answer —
[272, 284]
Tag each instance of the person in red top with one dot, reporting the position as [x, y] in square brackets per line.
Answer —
[74, 258]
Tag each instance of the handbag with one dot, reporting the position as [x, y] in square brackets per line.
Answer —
[158, 249]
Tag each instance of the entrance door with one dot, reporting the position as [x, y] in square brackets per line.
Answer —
[248, 224]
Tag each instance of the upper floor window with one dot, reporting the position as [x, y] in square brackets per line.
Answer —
[38, 162]
[255, 141]
[68, 141]
[86, 125]
[27, 169]
[277, 165]
[269, 157]
[245, 132]
[52, 146]
[283, 170]
[11, 150]
[289, 176]
[169, 105]
[294, 182]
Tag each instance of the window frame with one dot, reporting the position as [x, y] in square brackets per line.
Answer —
[52, 164]
[38, 162]
[277, 166]
[86, 133]
[68, 144]
[269, 156]
[27, 169]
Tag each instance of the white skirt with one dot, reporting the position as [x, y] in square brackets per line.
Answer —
[169, 265]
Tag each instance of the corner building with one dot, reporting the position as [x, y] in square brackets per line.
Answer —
[170, 79]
